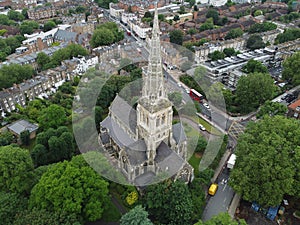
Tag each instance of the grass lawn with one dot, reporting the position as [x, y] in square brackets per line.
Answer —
[111, 214]
[194, 161]
[190, 131]
[211, 129]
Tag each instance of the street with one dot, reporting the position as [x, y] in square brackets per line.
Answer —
[221, 200]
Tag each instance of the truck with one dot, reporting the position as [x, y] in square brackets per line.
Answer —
[231, 161]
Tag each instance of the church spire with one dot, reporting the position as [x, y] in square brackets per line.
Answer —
[153, 79]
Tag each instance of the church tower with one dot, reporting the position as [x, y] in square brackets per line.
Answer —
[154, 110]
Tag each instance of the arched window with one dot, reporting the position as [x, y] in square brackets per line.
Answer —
[157, 121]
[163, 119]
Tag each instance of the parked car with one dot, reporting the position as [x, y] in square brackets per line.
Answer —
[201, 127]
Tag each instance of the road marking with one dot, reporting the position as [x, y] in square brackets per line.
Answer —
[224, 187]
[224, 199]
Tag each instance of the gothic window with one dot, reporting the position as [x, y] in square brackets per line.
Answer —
[157, 122]
[147, 121]
[159, 93]
[163, 119]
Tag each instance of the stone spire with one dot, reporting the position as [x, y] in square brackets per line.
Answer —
[153, 88]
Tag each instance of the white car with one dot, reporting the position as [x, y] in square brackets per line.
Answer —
[201, 127]
[206, 105]
[187, 90]
[179, 84]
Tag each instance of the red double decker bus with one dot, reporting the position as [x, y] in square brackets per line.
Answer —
[195, 95]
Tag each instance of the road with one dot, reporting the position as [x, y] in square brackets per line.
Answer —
[221, 200]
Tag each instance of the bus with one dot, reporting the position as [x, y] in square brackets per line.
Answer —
[195, 95]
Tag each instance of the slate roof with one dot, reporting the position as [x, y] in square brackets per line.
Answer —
[124, 112]
[21, 125]
[116, 132]
[64, 35]
[137, 152]
[168, 160]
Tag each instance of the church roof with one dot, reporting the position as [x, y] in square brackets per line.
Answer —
[144, 179]
[137, 152]
[168, 160]
[124, 112]
[119, 136]
[178, 133]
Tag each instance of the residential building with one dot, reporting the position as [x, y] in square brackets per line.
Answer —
[143, 142]
[20, 126]
[294, 110]
[41, 13]
[115, 11]
[139, 28]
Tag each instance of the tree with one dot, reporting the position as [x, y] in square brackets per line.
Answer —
[43, 217]
[234, 33]
[288, 35]
[176, 18]
[14, 15]
[176, 37]
[136, 216]
[175, 98]
[253, 66]
[11, 205]
[255, 41]
[24, 13]
[161, 17]
[42, 60]
[26, 29]
[262, 27]
[215, 94]
[105, 3]
[253, 90]
[102, 37]
[53, 116]
[291, 69]
[15, 170]
[271, 109]
[25, 137]
[169, 203]
[216, 55]
[49, 25]
[229, 52]
[6, 138]
[72, 188]
[222, 219]
[267, 161]
[212, 13]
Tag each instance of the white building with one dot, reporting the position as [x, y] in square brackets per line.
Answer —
[125, 17]
[45, 36]
[115, 11]
[139, 28]
[84, 64]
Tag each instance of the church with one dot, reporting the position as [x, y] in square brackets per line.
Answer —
[143, 141]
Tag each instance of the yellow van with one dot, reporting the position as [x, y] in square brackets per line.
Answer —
[213, 189]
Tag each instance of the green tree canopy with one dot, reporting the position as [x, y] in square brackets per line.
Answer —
[169, 203]
[253, 90]
[42, 60]
[288, 35]
[136, 216]
[49, 25]
[291, 69]
[216, 55]
[11, 205]
[222, 219]
[14, 15]
[105, 3]
[262, 27]
[175, 98]
[271, 109]
[72, 188]
[176, 37]
[253, 66]
[234, 33]
[268, 158]
[255, 41]
[15, 170]
[52, 117]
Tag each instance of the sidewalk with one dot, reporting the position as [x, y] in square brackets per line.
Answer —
[233, 205]
[221, 165]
